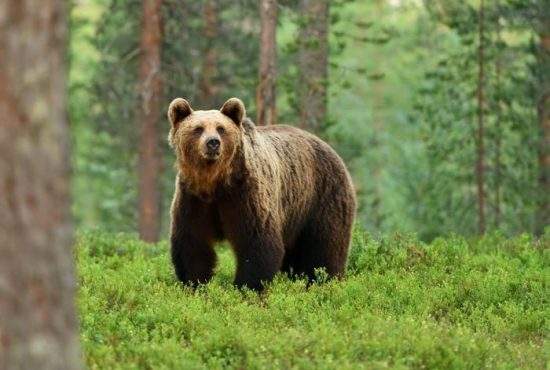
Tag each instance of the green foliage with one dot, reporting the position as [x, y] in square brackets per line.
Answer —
[454, 303]
[402, 109]
[446, 111]
[372, 87]
[104, 61]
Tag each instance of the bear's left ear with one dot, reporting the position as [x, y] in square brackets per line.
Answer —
[234, 109]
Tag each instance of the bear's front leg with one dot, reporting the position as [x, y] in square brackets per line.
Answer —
[194, 259]
[258, 260]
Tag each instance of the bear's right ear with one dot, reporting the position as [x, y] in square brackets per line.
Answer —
[178, 110]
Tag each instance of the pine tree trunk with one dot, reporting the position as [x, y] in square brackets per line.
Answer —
[208, 89]
[265, 94]
[377, 87]
[498, 125]
[38, 325]
[480, 161]
[149, 166]
[543, 216]
[313, 64]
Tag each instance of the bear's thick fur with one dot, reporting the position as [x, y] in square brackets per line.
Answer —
[281, 196]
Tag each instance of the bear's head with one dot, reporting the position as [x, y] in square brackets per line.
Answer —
[205, 142]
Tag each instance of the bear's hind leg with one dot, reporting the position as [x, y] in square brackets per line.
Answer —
[324, 243]
[288, 263]
[258, 260]
[318, 251]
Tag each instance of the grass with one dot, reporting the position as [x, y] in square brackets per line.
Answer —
[451, 304]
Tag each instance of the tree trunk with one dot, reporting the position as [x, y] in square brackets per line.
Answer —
[498, 124]
[313, 64]
[149, 153]
[480, 161]
[377, 86]
[265, 95]
[208, 89]
[543, 216]
[38, 325]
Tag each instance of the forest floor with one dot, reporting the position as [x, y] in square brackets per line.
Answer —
[450, 304]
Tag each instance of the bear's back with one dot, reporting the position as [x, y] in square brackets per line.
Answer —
[292, 141]
[304, 171]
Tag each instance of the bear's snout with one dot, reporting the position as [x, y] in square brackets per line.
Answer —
[213, 144]
[212, 147]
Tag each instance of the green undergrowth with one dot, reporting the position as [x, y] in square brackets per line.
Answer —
[450, 304]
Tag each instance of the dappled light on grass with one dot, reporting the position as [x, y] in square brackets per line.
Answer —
[449, 304]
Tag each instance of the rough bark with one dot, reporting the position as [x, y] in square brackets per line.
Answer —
[266, 92]
[543, 215]
[208, 88]
[38, 325]
[313, 63]
[480, 160]
[149, 166]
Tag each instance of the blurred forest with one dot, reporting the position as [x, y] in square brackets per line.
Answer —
[440, 108]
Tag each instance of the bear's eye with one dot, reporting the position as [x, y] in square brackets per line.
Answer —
[198, 130]
[221, 130]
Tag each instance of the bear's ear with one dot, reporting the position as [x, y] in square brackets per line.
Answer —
[234, 109]
[178, 110]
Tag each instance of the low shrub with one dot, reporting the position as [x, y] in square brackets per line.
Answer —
[450, 304]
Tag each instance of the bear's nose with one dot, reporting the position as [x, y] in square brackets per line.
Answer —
[213, 143]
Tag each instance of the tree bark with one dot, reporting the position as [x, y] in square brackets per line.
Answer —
[377, 131]
[208, 89]
[266, 92]
[543, 215]
[313, 64]
[38, 325]
[149, 166]
[480, 161]
[498, 124]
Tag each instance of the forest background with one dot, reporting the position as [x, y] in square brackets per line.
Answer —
[439, 108]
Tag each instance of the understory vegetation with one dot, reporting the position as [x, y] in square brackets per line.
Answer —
[451, 304]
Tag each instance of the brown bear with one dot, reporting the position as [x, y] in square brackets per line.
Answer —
[281, 197]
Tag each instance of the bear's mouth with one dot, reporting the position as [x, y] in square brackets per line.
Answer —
[211, 156]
